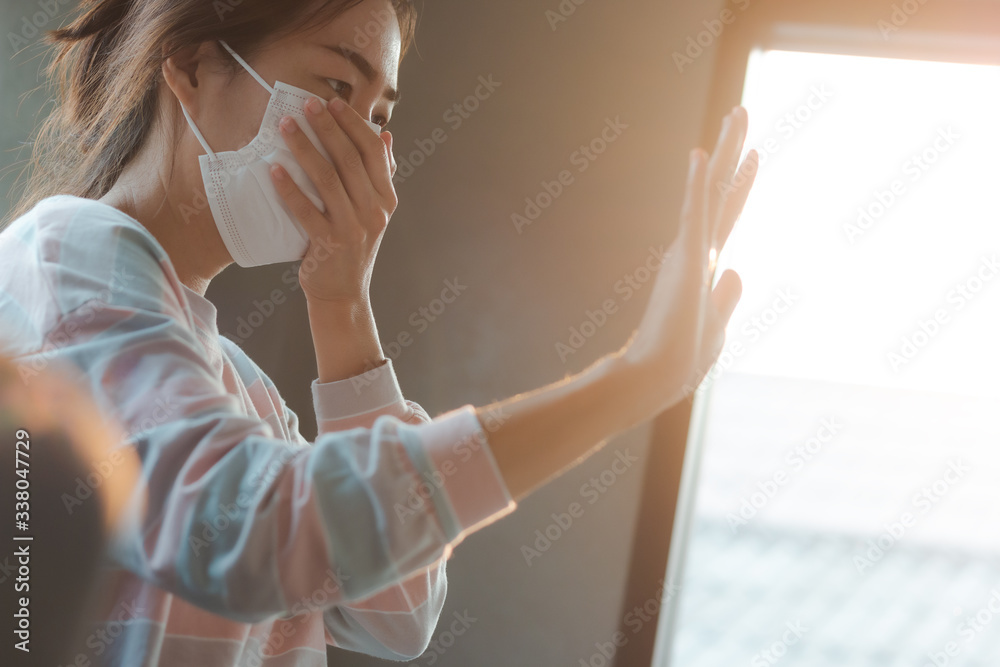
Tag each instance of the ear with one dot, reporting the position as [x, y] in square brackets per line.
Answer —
[186, 70]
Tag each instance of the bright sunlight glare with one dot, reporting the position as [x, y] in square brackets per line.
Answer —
[869, 246]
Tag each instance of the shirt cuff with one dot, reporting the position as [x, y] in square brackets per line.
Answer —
[374, 389]
[459, 472]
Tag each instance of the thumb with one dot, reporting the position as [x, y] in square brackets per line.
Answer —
[726, 295]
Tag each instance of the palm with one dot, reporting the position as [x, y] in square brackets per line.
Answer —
[682, 331]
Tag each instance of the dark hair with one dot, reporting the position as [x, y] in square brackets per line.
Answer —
[106, 66]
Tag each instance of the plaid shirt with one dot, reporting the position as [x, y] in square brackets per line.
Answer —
[245, 544]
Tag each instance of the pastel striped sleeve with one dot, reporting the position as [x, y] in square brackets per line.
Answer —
[397, 622]
[237, 520]
[455, 469]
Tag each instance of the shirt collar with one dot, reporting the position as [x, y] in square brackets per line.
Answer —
[204, 311]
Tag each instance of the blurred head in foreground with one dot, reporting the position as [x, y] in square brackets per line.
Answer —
[65, 481]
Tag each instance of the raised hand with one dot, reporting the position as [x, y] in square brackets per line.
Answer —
[683, 329]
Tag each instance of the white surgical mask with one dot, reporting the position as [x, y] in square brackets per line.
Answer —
[255, 223]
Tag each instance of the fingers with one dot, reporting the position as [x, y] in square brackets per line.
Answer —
[695, 230]
[724, 160]
[315, 223]
[320, 171]
[347, 167]
[737, 199]
[363, 152]
[712, 337]
[726, 295]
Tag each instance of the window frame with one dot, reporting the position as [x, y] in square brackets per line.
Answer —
[953, 31]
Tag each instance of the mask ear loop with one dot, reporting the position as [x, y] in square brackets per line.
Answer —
[197, 133]
[247, 67]
[194, 128]
[375, 126]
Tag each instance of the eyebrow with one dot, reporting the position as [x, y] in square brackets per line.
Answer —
[365, 68]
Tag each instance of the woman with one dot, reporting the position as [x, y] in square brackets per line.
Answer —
[258, 547]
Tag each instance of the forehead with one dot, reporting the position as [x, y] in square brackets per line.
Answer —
[369, 28]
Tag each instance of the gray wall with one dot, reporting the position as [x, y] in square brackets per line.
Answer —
[608, 59]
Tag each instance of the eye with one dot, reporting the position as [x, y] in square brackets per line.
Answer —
[342, 88]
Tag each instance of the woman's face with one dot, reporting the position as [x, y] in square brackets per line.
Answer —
[355, 56]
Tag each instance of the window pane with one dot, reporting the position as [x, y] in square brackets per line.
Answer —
[846, 506]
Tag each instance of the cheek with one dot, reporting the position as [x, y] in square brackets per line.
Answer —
[238, 119]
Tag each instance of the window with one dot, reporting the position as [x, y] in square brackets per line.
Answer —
[847, 495]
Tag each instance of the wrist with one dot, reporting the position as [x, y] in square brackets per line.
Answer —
[341, 318]
[345, 338]
[352, 306]
[544, 432]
